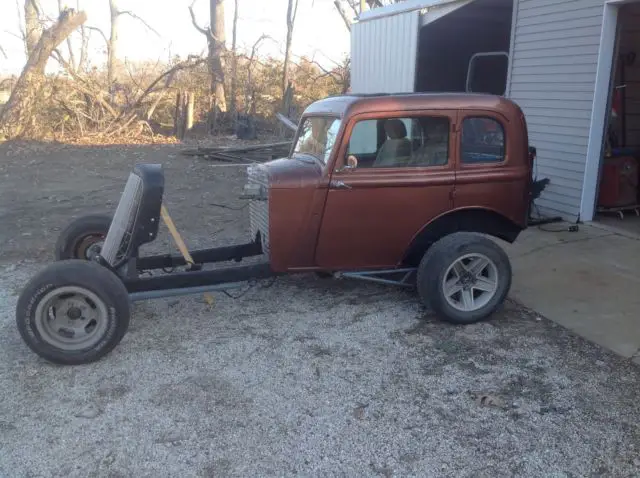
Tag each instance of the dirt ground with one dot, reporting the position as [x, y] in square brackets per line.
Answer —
[303, 376]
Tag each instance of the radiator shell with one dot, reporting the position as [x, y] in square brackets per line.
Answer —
[258, 180]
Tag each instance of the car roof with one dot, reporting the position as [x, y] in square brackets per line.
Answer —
[360, 103]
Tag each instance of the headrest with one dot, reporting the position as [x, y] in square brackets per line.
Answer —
[395, 129]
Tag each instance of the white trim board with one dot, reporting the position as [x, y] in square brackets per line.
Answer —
[600, 109]
[512, 41]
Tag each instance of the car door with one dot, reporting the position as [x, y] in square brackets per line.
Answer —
[404, 178]
[489, 175]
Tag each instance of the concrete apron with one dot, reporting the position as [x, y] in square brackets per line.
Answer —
[587, 281]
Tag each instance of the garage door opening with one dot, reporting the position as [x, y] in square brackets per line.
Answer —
[466, 50]
[618, 198]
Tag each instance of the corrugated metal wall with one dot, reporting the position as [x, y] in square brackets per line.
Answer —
[554, 64]
[384, 52]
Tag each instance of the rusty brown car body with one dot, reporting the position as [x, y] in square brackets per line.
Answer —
[396, 189]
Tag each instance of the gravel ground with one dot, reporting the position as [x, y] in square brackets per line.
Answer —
[303, 376]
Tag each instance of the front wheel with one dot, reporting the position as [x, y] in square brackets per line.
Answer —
[464, 278]
[73, 312]
[83, 237]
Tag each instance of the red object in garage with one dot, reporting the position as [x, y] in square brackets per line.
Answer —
[619, 182]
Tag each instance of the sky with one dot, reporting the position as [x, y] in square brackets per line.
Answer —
[319, 31]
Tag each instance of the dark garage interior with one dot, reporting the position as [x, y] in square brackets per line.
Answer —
[447, 45]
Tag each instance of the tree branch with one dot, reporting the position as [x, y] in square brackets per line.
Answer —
[81, 81]
[106, 40]
[189, 63]
[295, 12]
[204, 31]
[136, 17]
[72, 58]
[3, 53]
[354, 6]
[343, 14]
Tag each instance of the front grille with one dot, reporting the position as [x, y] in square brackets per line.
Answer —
[116, 244]
[258, 181]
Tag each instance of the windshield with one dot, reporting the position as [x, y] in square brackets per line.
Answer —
[317, 137]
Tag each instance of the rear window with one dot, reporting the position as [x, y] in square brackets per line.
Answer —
[483, 141]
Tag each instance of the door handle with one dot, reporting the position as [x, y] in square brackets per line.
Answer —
[339, 185]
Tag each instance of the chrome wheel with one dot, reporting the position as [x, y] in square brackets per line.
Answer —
[470, 282]
[71, 318]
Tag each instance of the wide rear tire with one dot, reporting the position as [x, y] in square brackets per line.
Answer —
[83, 237]
[73, 312]
[464, 278]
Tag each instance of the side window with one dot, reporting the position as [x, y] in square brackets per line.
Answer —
[364, 138]
[482, 141]
[400, 142]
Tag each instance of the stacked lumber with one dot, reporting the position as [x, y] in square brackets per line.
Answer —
[255, 153]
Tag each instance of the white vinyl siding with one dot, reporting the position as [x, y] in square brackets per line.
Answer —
[383, 54]
[553, 72]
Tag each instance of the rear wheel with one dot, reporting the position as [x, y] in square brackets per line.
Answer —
[464, 277]
[73, 312]
[83, 237]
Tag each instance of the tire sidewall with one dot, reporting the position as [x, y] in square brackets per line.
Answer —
[107, 291]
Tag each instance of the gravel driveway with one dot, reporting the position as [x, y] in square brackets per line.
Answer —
[301, 376]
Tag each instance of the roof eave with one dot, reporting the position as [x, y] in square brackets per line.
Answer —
[402, 7]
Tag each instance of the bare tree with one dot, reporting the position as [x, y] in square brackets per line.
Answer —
[340, 74]
[19, 110]
[33, 27]
[72, 59]
[234, 60]
[292, 9]
[112, 50]
[250, 93]
[113, 64]
[215, 36]
[84, 44]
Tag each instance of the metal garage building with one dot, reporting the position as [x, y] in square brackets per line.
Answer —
[559, 60]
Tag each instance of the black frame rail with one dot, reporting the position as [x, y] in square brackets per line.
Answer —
[195, 280]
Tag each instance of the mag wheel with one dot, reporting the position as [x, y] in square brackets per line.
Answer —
[465, 278]
[73, 312]
[83, 238]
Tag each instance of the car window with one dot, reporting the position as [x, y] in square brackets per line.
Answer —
[317, 137]
[400, 142]
[364, 138]
[482, 141]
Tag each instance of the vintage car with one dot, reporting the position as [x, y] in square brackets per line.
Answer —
[402, 189]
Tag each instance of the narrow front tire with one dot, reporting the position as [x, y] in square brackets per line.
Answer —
[73, 312]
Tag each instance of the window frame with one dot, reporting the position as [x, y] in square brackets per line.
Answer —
[450, 114]
[338, 140]
[502, 122]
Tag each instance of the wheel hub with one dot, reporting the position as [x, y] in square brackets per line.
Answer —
[470, 282]
[90, 246]
[71, 318]
[74, 313]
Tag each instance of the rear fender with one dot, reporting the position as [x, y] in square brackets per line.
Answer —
[483, 221]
